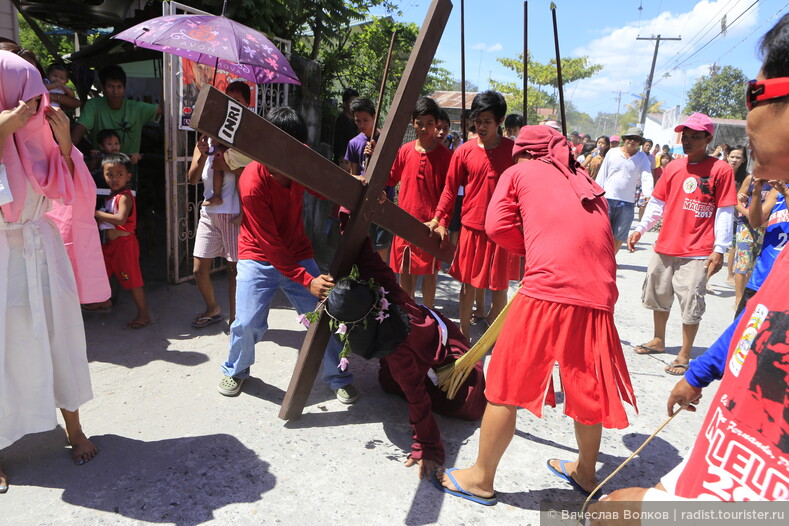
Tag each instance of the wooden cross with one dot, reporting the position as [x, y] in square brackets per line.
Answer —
[222, 118]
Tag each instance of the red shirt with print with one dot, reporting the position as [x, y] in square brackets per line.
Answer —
[692, 193]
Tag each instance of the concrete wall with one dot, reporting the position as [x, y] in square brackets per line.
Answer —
[8, 22]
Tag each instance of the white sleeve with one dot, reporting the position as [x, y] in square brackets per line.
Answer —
[724, 219]
[652, 215]
[602, 174]
[647, 181]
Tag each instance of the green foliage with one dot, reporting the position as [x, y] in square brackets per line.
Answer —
[720, 94]
[632, 113]
[29, 40]
[539, 76]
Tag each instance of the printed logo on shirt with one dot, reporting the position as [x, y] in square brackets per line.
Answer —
[232, 121]
[746, 341]
[779, 216]
[690, 185]
[699, 208]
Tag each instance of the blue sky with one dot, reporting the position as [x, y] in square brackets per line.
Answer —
[606, 32]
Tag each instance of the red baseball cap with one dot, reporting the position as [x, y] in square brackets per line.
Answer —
[615, 138]
[699, 122]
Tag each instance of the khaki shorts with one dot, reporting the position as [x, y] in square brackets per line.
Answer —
[669, 275]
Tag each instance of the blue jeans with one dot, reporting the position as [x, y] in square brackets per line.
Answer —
[256, 283]
[620, 214]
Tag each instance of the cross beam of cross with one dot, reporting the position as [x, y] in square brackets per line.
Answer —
[222, 118]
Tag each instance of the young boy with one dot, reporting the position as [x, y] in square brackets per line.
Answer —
[121, 250]
[274, 253]
[358, 154]
[109, 143]
[477, 165]
[420, 168]
[442, 129]
[60, 95]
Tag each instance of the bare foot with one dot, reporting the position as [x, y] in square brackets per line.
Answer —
[82, 449]
[3, 481]
[464, 478]
[137, 323]
[571, 468]
[213, 201]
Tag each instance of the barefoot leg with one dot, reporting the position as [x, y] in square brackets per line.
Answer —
[82, 449]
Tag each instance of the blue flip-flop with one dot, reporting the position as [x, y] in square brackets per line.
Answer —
[565, 477]
[463, 494]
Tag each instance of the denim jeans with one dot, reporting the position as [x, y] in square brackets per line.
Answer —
[256, 283]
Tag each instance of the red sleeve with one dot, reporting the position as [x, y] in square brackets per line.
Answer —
[503, 222]
[728, 194]
[408, 374]
[456, 177]
[396, 173]
[260, 220]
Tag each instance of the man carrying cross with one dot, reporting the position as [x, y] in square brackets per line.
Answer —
[274, 253]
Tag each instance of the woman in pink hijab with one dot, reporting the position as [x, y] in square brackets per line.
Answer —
[43, 361]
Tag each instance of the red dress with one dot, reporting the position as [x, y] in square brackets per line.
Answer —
[564, 310]
[421, 177]
[478, 261]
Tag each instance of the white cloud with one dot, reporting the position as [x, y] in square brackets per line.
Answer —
[627, 61]
[481, 46]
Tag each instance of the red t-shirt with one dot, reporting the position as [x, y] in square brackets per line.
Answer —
[567, 244]
[421, 177]
[692, 193]
[273, 229]
[478, 170]
[742, 450]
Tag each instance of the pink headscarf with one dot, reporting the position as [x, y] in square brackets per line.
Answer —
[550, 146]
[31, 153]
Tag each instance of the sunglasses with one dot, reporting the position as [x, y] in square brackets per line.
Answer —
[757, 91]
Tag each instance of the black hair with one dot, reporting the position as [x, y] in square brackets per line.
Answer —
[444, 116]
[650, 141]
[513, 120]
[588, 147]
[112, 72]
[774, 50]
[490, 100]
[240, 87]
[349, 93]
[117, 158]
[363, 104]
[56, 67]
[289, 121]
[426, 106]
[742, 171]
[606, 139]
[103, 135]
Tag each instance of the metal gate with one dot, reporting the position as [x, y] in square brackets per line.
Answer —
[183, 200]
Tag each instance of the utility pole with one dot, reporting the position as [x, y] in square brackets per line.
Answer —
[645, 107]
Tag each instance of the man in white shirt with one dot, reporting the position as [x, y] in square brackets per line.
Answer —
[624, 169]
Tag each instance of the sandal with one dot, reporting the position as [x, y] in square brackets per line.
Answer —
[676, 364]
[644, 349]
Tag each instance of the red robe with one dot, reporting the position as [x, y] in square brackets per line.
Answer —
[405, 371]
[421, 177]
[478, 260]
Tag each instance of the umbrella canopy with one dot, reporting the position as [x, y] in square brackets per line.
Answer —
[215, 41]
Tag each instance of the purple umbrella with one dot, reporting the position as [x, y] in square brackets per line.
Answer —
[215, 41]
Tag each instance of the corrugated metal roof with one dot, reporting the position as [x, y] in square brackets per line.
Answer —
[451, 99]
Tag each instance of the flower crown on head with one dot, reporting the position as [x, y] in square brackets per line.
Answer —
[343, 328]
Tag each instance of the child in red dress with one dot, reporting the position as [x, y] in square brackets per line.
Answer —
[477, 165]
[420, 168]
[121, 250]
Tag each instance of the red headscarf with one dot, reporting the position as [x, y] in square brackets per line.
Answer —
[31, 153]
[548, 145]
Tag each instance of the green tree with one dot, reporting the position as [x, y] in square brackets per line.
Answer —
[28, 40]
[720, 94]
[632, 113]
[541, 76]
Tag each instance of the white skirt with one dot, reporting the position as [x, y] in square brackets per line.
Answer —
[43, 360]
